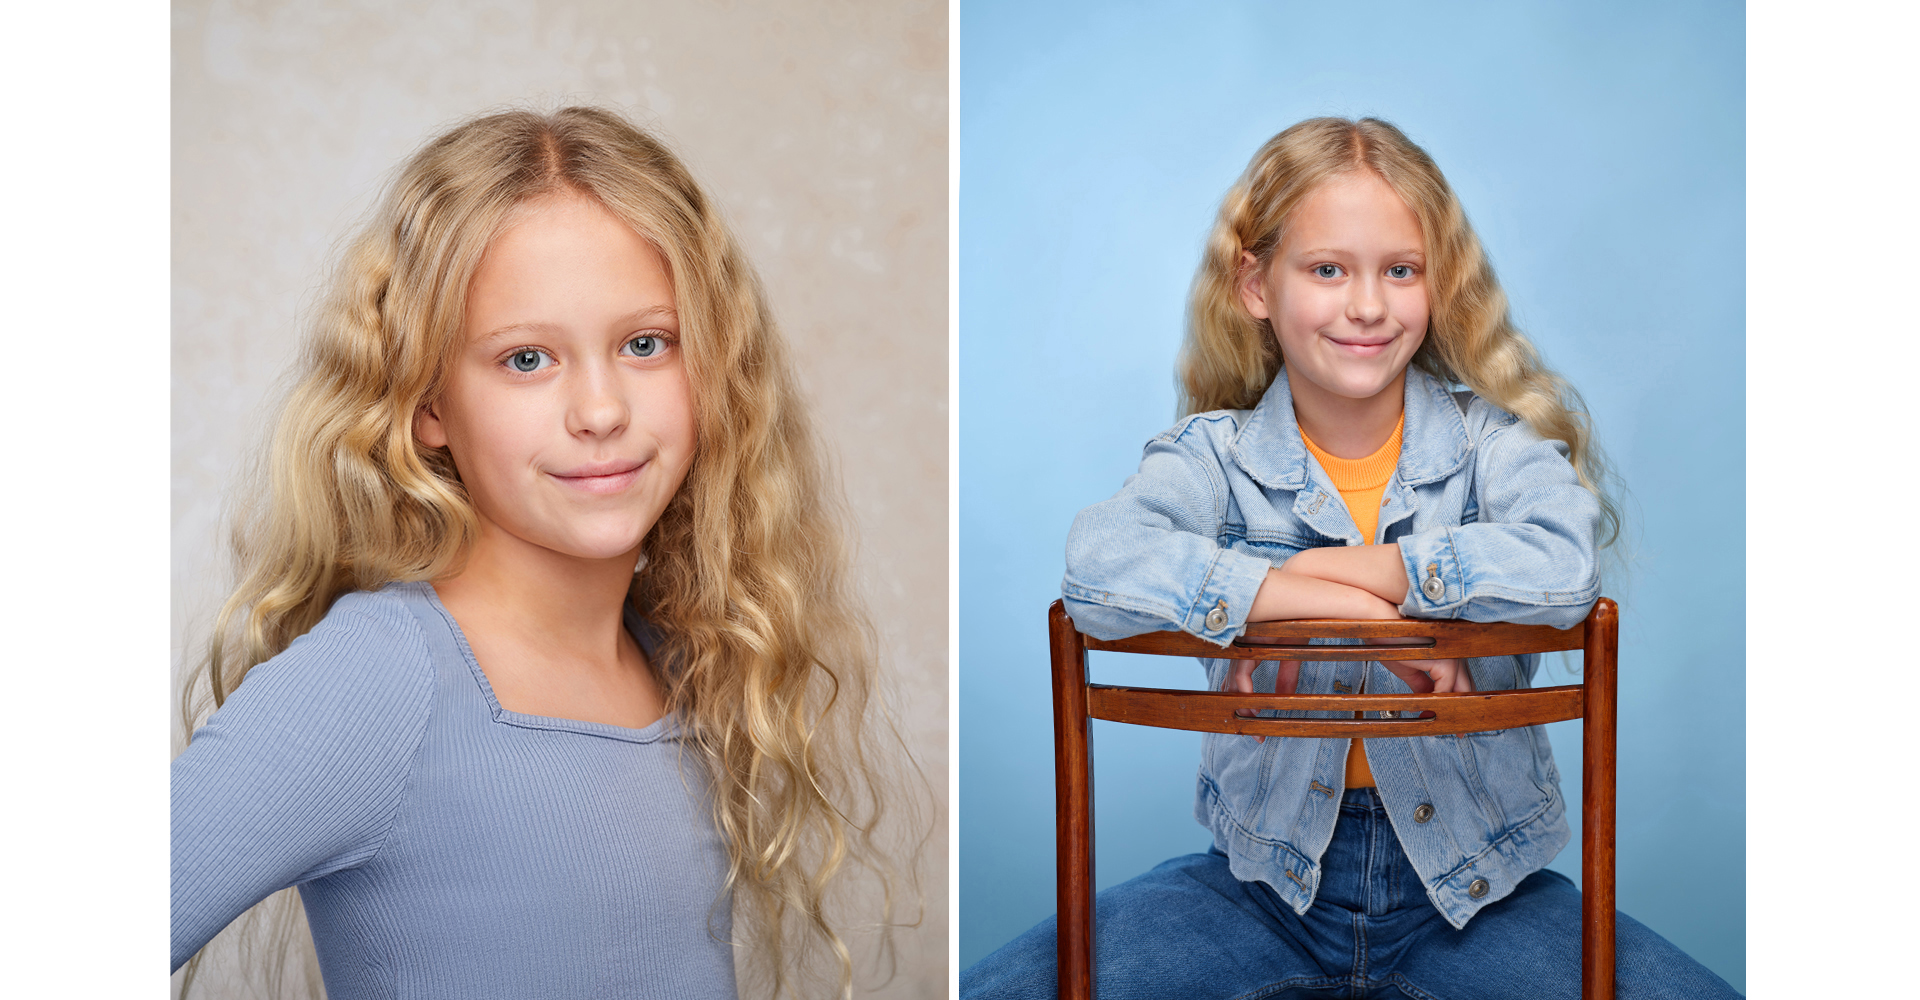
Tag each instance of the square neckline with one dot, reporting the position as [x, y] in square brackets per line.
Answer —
[659, 729]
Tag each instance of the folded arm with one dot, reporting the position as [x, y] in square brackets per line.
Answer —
[1531, 555]
[1340, 583]
[1149, 558]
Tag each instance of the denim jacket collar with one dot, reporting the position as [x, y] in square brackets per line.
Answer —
[1434, 441]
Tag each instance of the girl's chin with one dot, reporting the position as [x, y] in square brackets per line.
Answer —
[1357, 388]
[603, 538]
[609, 550]
[599, 549]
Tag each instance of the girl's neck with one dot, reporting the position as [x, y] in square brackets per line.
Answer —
[546, 629]
[566, 604]
[1341, 425]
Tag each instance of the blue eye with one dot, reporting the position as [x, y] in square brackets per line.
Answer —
[529, 360]
[1327, 270]
[646, 347]
[1400, 272]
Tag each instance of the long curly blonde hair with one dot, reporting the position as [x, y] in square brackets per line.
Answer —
[771, 660]
[1229, 357]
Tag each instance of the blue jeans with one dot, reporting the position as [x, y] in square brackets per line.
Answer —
[1190, 930]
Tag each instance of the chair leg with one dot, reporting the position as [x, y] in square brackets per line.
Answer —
[1073, 796]
[1597, 918]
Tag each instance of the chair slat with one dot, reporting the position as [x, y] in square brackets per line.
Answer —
[1288, 640]
[1212, 711]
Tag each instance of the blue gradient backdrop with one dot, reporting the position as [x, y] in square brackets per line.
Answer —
[1599, 152]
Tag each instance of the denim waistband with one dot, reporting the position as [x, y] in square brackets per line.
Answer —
[1362, 799]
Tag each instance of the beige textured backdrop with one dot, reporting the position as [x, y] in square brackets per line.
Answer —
[819, 126]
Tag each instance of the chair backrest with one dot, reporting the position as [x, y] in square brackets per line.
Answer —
[1076, 701]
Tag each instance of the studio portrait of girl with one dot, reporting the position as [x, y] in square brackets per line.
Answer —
[1341, 297]
[550, 662]
[441, 709]
[1326, 336]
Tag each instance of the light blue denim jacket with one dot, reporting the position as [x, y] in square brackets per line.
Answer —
[1478, 502]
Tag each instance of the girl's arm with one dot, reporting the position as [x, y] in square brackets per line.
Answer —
[1285, 596]
[1377, 569]
[1150, 559]
[1530, 556]
[1292, 593]
[300, 773]
[1288, 595]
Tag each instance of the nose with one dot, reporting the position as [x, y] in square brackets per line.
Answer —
[596, 407]
[1365, 304]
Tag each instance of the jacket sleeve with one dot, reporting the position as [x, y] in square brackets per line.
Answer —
[300, 773]
[1530, 557]
[1149, 559]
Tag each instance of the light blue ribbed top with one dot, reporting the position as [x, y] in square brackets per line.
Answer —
[444, 846]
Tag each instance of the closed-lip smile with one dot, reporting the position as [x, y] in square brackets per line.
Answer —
[1363, 345]
[601, 477]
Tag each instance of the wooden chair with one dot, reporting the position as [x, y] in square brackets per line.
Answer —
[1075, 701]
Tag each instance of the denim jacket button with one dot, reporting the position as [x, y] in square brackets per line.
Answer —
[1217, 619]
[1422, 813]
[1433, 588]
[1478, 888]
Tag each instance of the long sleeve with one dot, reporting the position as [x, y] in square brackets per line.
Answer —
[1150, 559]
[1529, 557]
[303, 769]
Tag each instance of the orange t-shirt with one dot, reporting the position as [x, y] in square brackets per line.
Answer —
[1361, 482]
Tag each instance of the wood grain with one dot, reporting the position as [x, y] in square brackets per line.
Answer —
[1597, 803]
[1073, 796]
[1212, 711]
[1288, 640]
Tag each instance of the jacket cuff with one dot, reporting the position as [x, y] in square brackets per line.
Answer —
[1436, 581]
[1219, 611]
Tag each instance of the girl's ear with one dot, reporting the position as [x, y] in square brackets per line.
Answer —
[427, 428]
[1253, 286]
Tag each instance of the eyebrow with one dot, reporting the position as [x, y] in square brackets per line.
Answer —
[1330, 252]
[638, 316]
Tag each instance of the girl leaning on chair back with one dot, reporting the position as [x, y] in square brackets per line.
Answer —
[748, 637]
[1327, 467]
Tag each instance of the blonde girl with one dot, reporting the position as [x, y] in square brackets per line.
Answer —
[1328, 467]
[542, 676]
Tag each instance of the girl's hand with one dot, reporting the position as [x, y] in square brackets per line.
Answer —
[1241, 679]
[1425, 676]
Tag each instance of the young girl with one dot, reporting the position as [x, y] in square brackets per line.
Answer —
[542, 677]
[1327, 469]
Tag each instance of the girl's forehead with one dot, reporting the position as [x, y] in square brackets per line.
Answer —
[1357, 208]
[566, 263]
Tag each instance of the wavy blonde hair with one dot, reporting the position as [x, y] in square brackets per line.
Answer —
[1229, 357]
[769, 661]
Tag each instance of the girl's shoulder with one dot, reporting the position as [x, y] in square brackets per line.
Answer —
[1210, 432]
[369, 625]
[1480, 415]
[1496, 434]
[369, 654]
